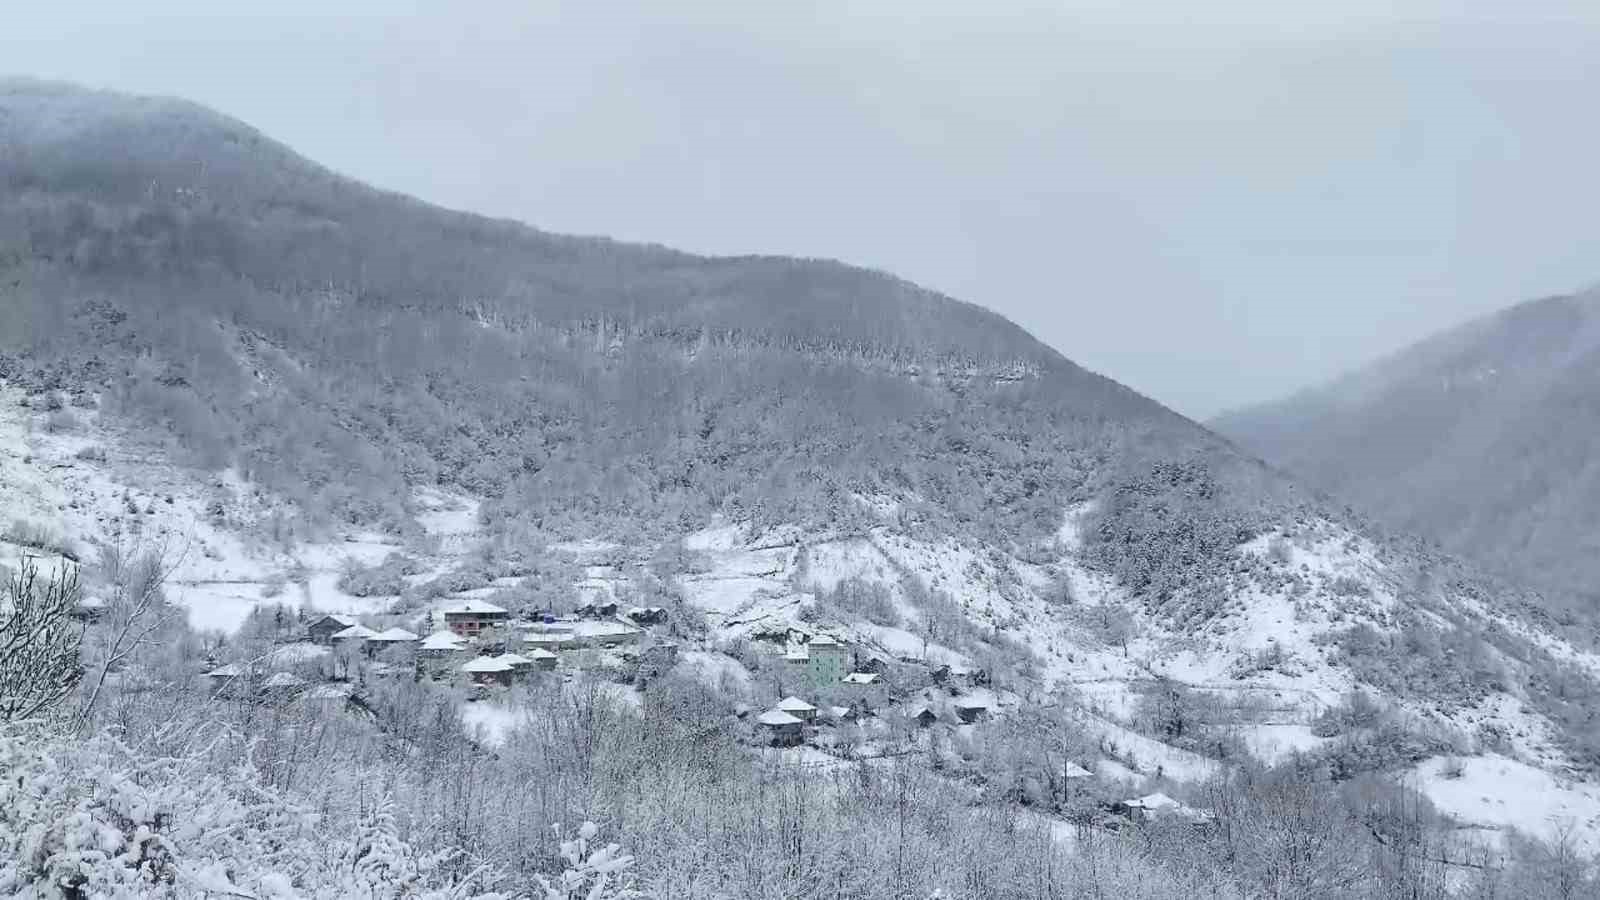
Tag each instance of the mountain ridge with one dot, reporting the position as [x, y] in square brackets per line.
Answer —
[1476, 437]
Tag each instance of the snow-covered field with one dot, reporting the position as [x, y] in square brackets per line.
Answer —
[1496, 793]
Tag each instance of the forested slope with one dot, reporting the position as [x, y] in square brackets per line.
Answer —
[1485, 438]
[337, 343]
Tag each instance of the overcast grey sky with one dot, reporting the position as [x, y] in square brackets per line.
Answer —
[1214, 203]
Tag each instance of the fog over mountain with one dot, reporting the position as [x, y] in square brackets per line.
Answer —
[1485, 437]
[352, 546]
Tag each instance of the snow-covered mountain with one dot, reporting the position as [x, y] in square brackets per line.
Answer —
[312, 393]
[1482, 438]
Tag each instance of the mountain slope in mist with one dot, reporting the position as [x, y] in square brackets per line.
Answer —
[1486, 438]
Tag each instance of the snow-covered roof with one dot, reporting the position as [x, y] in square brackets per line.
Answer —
[823, 640]
[1157, 800]
[512, 659]
[355, 632]
[398, 635]
[298, 652]
[341, 618]
[486, 664]
[284, 679]
[795, 704]
[861, 678]
[1073, 770]
[547, 637]
[538, 653]
[231, 670]
[473, 606]
[328, 692]
[776, 717]
[595, 629]
[797, 653]
[442, 640]
[839, 712]
[971, 703]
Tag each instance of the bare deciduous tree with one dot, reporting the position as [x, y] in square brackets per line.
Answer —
[134, 612]
[39, 640]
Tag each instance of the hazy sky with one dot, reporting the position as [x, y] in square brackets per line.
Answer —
[1214, 203]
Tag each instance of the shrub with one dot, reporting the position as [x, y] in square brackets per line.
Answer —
[39, 537]
[385, 579]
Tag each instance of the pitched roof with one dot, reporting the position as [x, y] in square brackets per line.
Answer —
[399, 635]
[795, 704]
[443, 640]
[970, 703]
[341, 618]
[538, 653]
[513, 659]
[775, 717]
[472, 606]
[861, 678]
[231, 670]
[328, 692]
[356, 632]
[823, 640]
[1073, 770]
[284, 679]
[486, 664]
[1157, 800]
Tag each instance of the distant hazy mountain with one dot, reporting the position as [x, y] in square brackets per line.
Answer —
[1486, 437]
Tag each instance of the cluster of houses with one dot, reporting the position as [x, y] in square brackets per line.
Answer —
[480, 640]
[824, 664]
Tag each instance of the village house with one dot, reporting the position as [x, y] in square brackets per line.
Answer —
[549, 641]
[865, 689]
[488, 670]
[283, 683]
[355, 634]
[542, 659]
[924, 717]
[587, 634]
[470, 617]
[520, 665]
[323, 628]
[798, 708]
[441, 643]
[1160, 806]
[647, 615]
[230, 678]
[597, 609]
[392, 637]
[827, 660]
[970, 709]
[783, 730]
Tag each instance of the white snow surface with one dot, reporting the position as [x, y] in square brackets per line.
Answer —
[1496, 793]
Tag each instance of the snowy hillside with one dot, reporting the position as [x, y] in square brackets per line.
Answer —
[1270, 669]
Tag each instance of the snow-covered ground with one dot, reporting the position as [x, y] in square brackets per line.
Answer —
[90, 485]
[1495, 793]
